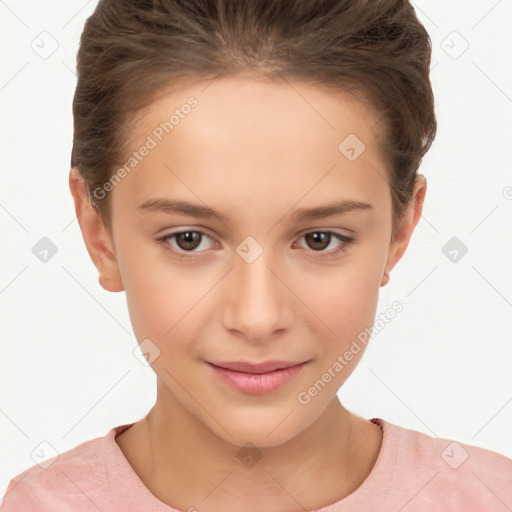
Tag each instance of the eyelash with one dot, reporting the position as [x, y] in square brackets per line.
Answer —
[347, 241]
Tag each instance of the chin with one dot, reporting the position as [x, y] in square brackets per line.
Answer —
[264, 430]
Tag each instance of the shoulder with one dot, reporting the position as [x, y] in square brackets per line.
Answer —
[431, 470]
[64, 482]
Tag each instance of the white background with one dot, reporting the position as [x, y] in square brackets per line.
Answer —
[443, 366]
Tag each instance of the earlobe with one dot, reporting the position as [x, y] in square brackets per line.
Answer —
[97, 240]
[407, 225]
[385, 279]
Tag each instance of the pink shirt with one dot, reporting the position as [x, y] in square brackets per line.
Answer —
[413, 472]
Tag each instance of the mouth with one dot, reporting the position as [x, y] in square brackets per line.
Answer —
[248, 367]
[256, 378]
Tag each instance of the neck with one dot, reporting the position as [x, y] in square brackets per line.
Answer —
[187, 465]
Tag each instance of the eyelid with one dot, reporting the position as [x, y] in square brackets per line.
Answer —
[339, 231]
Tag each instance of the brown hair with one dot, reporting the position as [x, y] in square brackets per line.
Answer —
[132, 50]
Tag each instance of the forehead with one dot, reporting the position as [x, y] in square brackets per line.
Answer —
[253, 135]
[262, 107]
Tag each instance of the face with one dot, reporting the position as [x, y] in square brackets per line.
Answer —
[264, 280]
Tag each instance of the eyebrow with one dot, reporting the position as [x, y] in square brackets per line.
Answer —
[298, 215]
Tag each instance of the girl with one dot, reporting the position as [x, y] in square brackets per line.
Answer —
[247, 173]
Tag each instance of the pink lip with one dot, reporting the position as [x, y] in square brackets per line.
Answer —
[255, 381]
[248, 367]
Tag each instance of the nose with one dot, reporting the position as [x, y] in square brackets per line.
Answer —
[258, 302]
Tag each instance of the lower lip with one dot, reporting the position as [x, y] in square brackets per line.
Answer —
[257, 383]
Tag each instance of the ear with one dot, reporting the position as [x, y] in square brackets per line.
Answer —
[96, 237]
[407, 223]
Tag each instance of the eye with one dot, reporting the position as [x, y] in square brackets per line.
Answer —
[187, 241]
[320, 240]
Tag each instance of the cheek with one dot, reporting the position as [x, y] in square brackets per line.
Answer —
[162, 298]
[348, 308]
[344, 299]
[345, 302]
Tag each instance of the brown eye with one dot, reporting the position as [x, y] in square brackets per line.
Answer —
[319, 241]
[186, 243]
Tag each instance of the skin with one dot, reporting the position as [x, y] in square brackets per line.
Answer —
[255, 150]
